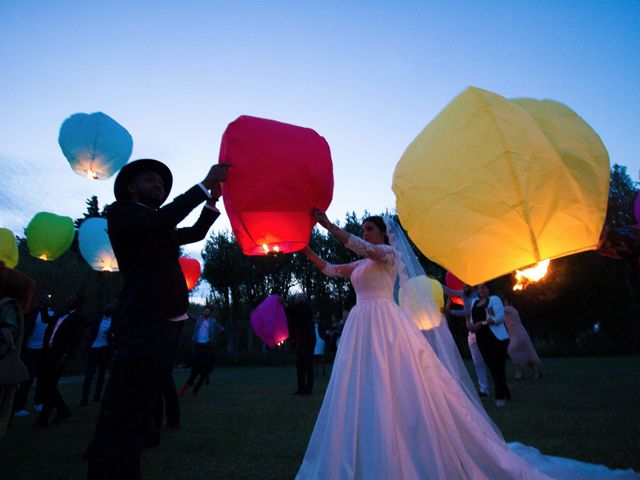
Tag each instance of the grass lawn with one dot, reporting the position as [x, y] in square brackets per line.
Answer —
[248, 425]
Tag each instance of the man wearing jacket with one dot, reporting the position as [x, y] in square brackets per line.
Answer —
[61, 339]
[152, 304]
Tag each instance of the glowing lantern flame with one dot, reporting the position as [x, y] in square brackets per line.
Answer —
[91, 175]
[531, 275]
[265, 247]
[276, 249]
[43, 257]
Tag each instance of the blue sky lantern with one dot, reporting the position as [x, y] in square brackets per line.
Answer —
[95, 145]
[95, 246]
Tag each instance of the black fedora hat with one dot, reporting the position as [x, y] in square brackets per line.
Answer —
[130, 170]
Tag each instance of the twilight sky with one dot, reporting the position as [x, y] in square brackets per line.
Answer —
[368, 76]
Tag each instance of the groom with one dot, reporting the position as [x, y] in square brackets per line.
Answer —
[152, 305]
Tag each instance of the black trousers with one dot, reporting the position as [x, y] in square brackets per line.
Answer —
[494, 352]
[126, 414]
[32, 359]
[304, 368]
[168, 396]
[204, 359]
[97, 360]
[50, 376]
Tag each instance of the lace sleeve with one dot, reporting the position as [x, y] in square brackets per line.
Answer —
[343, 270]
[379, 253]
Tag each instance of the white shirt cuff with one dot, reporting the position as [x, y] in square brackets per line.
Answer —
[206, 192]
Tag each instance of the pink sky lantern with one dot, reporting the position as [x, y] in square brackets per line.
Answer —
[454, 283]
[269, 321]
[280, 172]
[191, 271]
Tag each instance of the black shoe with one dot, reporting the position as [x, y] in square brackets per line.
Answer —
[61, 416]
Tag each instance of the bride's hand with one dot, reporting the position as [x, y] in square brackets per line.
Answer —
[320, 217]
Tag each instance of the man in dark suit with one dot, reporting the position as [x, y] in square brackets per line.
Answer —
[61, 339]
[302, 332]
[153, 302]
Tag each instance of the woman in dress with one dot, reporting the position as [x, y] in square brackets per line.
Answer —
[318, 350]
[392, 409]
[487, 322]
[521, 350]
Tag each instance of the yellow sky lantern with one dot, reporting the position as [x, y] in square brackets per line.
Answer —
[493, 185]
[412, 295]
[8, 248]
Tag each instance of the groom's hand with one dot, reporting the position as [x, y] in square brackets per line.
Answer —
[218, 173]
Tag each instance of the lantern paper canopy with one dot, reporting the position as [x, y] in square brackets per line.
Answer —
[280, 172]
[8, 248]
[95, 145]
[412, 294]
[49, 235]
[454, 283]
[490, 186]
[269, 321]
[191, 271]
[95, 246]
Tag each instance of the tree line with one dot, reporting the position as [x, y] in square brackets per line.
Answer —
[559, 312]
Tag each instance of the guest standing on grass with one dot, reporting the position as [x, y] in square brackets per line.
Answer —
[35, 324]
[61, 340]
[468, 295]
[521, 351]
[319, 349]
[152, 305]
[302, 332]
[98, 355]
[487, 322]
[204, 336]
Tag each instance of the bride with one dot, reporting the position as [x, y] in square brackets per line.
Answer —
[402, 407]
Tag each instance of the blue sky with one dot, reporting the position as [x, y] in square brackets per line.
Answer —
[368, 76]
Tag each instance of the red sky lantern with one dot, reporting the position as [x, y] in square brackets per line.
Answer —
[191, 271]
[454, 283]
[280, 172]
[269, 321]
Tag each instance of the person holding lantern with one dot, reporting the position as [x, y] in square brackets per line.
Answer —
[395, 408]
[152, 305]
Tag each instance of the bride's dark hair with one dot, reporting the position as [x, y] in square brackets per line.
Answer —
[378, 221]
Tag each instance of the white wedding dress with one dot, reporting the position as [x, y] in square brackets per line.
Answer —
[393, 411]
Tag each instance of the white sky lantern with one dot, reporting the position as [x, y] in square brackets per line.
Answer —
[95, 246]
[95, 145]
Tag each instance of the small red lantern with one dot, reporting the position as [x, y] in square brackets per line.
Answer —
[454, 283]
[191, 271]
[279, 173]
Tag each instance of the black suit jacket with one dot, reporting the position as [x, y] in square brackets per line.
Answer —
[30, 322]
[67, 337]
[146, 244]
[301, 329]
